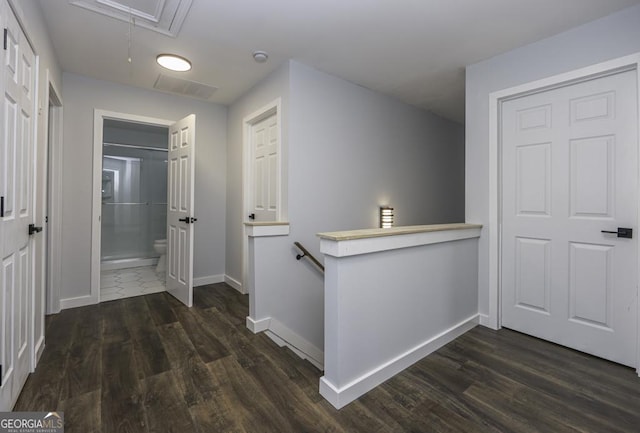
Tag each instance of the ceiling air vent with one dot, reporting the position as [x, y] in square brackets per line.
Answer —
[184, 87]
[162, 16]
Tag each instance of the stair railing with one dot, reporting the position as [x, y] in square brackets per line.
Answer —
[306, 253]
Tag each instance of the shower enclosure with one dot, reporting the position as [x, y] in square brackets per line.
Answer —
[134, 194]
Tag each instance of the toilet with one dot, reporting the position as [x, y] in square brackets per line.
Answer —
[160, 247]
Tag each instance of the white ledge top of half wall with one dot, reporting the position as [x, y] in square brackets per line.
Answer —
[267, 228]
[355, 242]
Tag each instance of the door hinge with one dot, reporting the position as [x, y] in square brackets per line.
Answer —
[2, 207]
[5, 39]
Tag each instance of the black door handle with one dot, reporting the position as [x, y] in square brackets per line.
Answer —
[252, 216]
[33, 229]
[622, 232]
[188, 220]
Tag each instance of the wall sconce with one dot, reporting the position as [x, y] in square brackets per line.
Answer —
[386, 217]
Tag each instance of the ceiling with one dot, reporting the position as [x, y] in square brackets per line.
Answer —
[414, 50]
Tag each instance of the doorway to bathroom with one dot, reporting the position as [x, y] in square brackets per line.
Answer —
[134, 209]
[140, 210]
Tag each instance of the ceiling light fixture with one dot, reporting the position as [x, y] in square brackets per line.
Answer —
[260, 56]
[173, 62]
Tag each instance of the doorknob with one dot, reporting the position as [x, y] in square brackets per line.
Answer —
[33, 229]
[252, 216]
[188, 220]
[622, 232]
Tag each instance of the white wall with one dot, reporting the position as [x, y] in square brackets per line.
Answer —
[82, 95]
[376, 325]
[614, 36]
[350, 150]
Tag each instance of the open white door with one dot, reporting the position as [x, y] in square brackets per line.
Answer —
[17, 86]
[180, 209]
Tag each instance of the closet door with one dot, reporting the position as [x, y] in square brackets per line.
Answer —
[17, 150]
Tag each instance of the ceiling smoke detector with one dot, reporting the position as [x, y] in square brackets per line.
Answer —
[260, 56]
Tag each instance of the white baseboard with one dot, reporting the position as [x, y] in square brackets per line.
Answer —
[300, 346]
[487, 322]
[79, 301]
[210, 279]
[259, 325]
[234, 283]
[38, 352]
[339, 397]
[284, 336]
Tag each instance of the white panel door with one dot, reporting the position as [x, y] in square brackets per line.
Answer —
[180, 207]
[264, 148]
[570, 171]
[16, 183]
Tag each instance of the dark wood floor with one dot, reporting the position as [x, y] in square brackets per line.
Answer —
[148, 364]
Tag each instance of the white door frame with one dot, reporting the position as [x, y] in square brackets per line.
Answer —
[274, 107]
[98, 126]
[52, 188]
[631, 62]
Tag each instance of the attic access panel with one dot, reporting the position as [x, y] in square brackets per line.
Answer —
[162, 16]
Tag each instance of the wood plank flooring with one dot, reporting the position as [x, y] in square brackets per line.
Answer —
[148, 364]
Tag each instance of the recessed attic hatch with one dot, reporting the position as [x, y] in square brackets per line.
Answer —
[184, 87]
[162, 16]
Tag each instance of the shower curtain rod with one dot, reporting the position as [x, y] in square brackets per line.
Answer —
[133, 146]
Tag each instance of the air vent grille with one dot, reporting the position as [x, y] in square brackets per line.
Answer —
[184, 87]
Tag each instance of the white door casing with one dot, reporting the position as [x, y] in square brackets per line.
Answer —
[264, 179]
[569, 171]
[17, 152]
[96, 227]
[52, 197]
[180, 209]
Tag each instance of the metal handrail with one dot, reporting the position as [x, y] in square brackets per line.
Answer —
[306, 253]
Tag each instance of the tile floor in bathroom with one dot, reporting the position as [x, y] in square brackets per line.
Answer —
[126, 283]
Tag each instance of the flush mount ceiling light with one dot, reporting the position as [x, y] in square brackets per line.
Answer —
[173, 62]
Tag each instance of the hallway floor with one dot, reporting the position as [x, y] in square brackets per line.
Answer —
[149, 364]
[126, 283]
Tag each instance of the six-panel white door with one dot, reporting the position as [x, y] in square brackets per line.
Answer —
[264, 148]
[16, 183]
[570, 171]
[180, 208]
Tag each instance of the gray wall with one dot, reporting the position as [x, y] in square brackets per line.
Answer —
[614, 36]
[156, 137]
[350, 150]
[82, 95]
